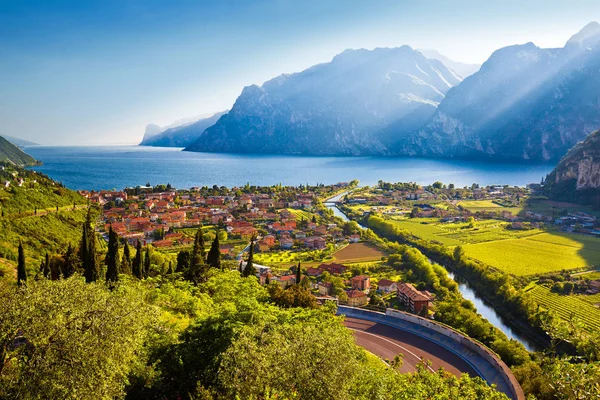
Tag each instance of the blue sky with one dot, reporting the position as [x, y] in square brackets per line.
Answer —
[98, 71]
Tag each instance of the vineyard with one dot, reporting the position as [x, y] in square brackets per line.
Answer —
[566, 306]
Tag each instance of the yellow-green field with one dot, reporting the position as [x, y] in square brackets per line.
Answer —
[427, 231]
[518, 252]
[529, 256]
[567, 306]
[488, 205]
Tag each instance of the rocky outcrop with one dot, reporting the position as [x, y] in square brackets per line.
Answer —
[577, 176]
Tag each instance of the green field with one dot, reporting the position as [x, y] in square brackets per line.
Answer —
[427, 231]
[567, 306]
[488, 205]
[531, 257]
[518, 252]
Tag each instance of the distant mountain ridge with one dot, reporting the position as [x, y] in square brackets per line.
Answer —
[577, 176]
[340, 107]
[179, 135]
[19, 142]
[11, 154]
[525, 103]
[463, 69]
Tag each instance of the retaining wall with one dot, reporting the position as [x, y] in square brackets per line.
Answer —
[487, 364]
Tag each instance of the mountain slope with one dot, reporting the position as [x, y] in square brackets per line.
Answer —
[180, 136]
[525, 103]
[577, 176]
[340, 107]
[11, 154]
[19, 142]
[463, 69]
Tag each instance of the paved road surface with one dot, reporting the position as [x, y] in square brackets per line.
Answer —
[386, 342]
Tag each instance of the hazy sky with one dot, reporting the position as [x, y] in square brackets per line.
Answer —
[98, 71]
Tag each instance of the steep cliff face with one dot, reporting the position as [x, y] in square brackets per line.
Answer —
[340, 107]
[525, 103]
[577, 176]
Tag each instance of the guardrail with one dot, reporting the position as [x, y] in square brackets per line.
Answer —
[465, 347]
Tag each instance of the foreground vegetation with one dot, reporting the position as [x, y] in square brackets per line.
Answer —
[166, 338]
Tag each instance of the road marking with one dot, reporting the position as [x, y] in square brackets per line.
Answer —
[395, 344]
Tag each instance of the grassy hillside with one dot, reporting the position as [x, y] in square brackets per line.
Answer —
[28, 211]
[12, 155]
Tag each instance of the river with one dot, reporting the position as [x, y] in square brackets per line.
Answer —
[465, 289]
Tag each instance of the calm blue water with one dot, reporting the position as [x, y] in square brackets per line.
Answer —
[121, 166]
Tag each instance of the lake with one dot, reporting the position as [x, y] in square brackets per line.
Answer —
[122, 166]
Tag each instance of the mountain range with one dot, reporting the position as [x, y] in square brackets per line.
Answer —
[179, 134]
[523, 103]
[11, 154]
[19, 142]
[340, 107]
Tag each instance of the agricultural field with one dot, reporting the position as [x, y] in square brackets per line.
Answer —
[567, 306]
[358, 252]
[533, 256]
[301, 214]
[289, 258]
[488, 205]
[518, 252]
[428, 231]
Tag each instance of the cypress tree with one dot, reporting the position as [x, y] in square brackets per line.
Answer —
[147, 262]
[83, 249]
[183, 261]
[214, 254]
[126, 261]
[112, 257]
[90, 263]
[47, 267]
[199, 244]
[21, 272]
[137, 261]
[69, 263]
[250, 270]
[298, 274]
[196, 271]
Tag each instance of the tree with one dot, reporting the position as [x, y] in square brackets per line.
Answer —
[196, 271]
[112, 257]
[459, 253]
[47, 271]
[183, 261]
[298, 274]
[214, 254]
[126, 261]
[21, 272]
[69, 262]
[250, 270]
[87, 250]
[147, 262]
[61, 339]
[137, 261]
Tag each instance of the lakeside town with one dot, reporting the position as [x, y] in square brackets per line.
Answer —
[292, 226]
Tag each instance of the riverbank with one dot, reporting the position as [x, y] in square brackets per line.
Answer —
[494, 313]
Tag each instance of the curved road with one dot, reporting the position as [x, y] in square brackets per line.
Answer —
[386, 342]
